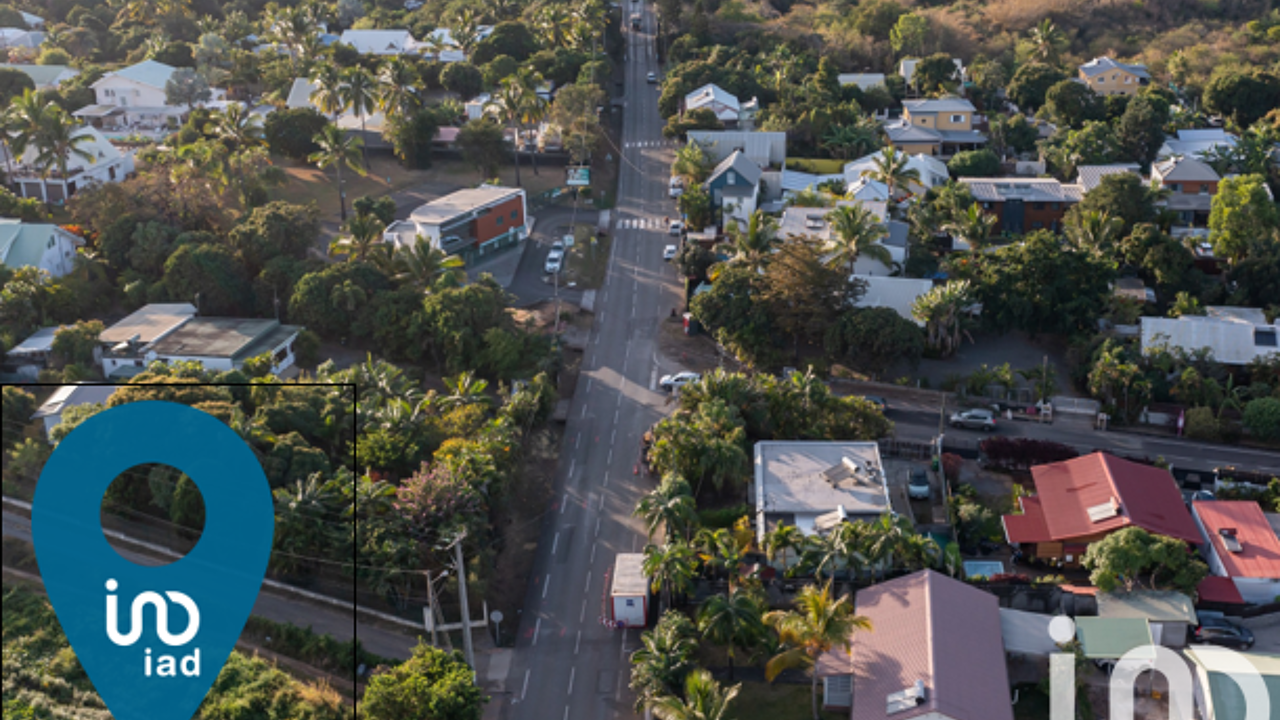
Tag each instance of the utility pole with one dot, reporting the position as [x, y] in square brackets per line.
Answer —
[431, 598]
[462, 597]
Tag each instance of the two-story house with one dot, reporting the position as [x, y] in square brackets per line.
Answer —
[135, 97]
[1191, 185]
[40, 245]
[734, 187]
[1107, 77]
[381, 42]
[105, 163]
[941, 126]
[469, 223]
[1024, 204]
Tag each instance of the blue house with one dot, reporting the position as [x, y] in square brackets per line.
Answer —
[734, 187]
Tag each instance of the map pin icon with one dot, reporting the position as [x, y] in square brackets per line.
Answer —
[152, 639]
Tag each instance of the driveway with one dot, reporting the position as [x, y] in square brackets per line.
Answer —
[530, 284]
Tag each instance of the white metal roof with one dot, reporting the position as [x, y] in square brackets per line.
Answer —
[444, 209]
[1235, 337]
[897, 293]
[937, 105]
[380, 42]
[71, 395]
[148, 72]
[708, 94]
[628, 575]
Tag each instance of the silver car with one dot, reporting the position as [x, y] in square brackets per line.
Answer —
[974, 419]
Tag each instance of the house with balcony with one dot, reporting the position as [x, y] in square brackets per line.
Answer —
[105, 163]
[936, 126]
[1021, 205]
[1235, 335]
[1105, 76]
[935, 651]
[1082, 500]
[1191, 185]
[134, 98]
[471, 223]
[40, 245]
[172, 332]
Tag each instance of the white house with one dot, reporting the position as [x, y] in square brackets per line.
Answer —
[381, 42]
[105, 164]
[440, 44]
[11, 37]
[1193, 143]
[816, 485]
[814, 223]
[907, 68]
[712, 97]
[172, 333]
[895, 293]
[368, 127]
[29, 357]
[45, 77]
[1240, 545]
[469, 223]
[765, 149]
[933, 172]
[136, 96]
[41, 245]
[1236, 335]
[68, 396]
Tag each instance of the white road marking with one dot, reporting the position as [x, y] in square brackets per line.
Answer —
[610, 460]
[653, 379]
[587, 589]
[582, 614]
[537, 630]
[555, 544]
[602, 507]
[614, 437]
[615, 420]
[546, 585]
[573, 671]
[584, 410]
[622, 651]
[572, 464]
[589, 384]
[566, 712]
[597, 527]
[564, 503]
[577, 642]
[577, 441]
[525, 689]
[593, 552]
[606, 478]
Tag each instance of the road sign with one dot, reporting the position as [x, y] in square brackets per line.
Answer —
[578, 177]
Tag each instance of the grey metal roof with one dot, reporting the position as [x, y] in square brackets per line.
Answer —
[1025, 189]
[1181, 168]
[41, 341]
[898, 232]
[905, 132]
[1097, 66]
[962, 136]
[148, 322]
[1090, 176]
[937, 105]
[739, 163]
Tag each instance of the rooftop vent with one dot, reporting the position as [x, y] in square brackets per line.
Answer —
[814, 222]
[1230, 540]
[1104, 511]
[907, 699]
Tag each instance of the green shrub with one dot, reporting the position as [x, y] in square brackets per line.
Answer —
[722, 517]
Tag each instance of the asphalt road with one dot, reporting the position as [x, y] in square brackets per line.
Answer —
[566, 664]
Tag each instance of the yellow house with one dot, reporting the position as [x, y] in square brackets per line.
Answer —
[941, 127]
[1107, 77]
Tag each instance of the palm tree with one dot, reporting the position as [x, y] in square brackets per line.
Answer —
[506, 103]
[973, 226]
[328, 92]
[781, 539]
[362, 232]
[853, 140]
[1095, 232]
[304, 529]
[533, 107]
[704, 699]
[465, 389]
[857, 231]
[237, 126]
[22, 122]
[664, 658]
[734, 621]
[336, 150]
[754, 245]
[58, 139]
[819, 623]
[1046, 38]
[692, 164]
[670, 505]
[892, 168]
[671, 566]
[360, 95]
[722, 549]
[942, 311]
[396, 82]
[422, 265]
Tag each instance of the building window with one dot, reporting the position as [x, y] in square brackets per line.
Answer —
[1055, 206]
[631, 603]
[730, 178]
[514, 213]
[957, 118]
[497, 220]
[1263, 337]
[1037, 206]
[1128, 79]
[1204, 188]
[1175, 187]
[1036, 225]
[280, 355]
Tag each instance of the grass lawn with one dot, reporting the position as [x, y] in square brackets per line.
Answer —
[818, 166]
[589, 256]
[762, 701]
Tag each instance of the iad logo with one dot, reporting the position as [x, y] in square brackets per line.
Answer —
[183, 618]
[1062, 678]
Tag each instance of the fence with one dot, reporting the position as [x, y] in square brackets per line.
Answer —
[906, 449]
[1075, 406]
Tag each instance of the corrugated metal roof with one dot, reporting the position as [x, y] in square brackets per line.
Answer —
[1097, 66]
[739, 163]
[23, 244]
[149, 322]
[1182, 168]
[1090, 176]
[1226, 699]
[1152, 605]
[1026, 633]
[896, 293]
[148, 72]
[1218, 589]
[1233, 340]
[1259, 555]
[72, 395]
[937, 105]
[628, 575]
[1025, 189]
[708, 94]
[1112, 638]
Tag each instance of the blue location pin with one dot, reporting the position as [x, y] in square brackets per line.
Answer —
[152, 639]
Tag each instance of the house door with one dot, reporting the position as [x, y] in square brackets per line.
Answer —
[1014, 214]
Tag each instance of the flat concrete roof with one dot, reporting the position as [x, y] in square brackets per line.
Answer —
[790, 477]
[442, 210]
[628, 577]
[220, 337]
[148, 322]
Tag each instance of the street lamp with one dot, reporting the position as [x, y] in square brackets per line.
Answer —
[431, 598]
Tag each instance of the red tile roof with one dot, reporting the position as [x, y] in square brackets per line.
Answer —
[1259, 556]
[1148, 497]
[1217, 589]
[1029, 526]
[927, 626]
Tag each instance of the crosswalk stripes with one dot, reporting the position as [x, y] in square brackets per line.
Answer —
[639, 224]
[651, 144]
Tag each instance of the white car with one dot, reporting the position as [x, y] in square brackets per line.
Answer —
[675, 188]
[669, 253]
[671, 383]
[651, 77]
[918, 484]
[675, 228]
[976, 419]
[557, 245]
[555, 260]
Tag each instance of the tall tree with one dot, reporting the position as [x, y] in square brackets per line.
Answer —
[362, 232]
[336, 150]
[818, 624]
[857, 232]
[755, 243]
[397, 82]
[671, 506]
[328, 92]
[943, 311]
[506, 103]
[431, 684]
[973, 226]
[672, 566]
[1094, 232]
[360, 95]
[704, 699]
[734, 621]
[58, 139]
[892, 167]
[1047, 41]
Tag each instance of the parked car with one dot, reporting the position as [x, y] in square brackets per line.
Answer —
[652, 77]
[669, 253]
[671, 383]
[675, 188]
[557, 246]
[877, 401]
[918, 485]
[555, 260]
[975, 419]
[1220, 631]
[675, 228]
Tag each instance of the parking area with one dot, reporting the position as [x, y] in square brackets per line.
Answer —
[923, 511]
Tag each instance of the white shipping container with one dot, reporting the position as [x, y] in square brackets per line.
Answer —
[629, 596]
